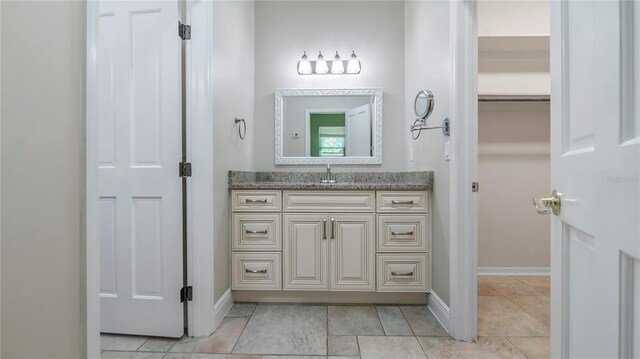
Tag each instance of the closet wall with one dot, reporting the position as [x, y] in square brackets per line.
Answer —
[513, 135]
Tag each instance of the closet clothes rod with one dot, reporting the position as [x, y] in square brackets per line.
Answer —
[514, 98]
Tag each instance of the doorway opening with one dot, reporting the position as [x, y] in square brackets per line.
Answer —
[514, 165]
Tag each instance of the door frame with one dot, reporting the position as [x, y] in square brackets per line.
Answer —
[463, 245]
[203, 315]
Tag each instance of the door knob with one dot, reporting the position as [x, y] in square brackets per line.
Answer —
[548, 205]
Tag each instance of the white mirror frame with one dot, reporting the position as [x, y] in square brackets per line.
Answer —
[279, 127]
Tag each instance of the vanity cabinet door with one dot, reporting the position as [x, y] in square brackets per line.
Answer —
[352, 258]
[305, 252]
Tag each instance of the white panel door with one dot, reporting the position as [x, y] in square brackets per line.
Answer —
[140, 146]
[305, 252]
[358, 131]
[595, 65]
[353, 252]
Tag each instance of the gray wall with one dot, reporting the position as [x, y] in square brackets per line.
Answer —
[232, 97]
[43, 52]
[374, 29]
[427, 67]
[513, 138]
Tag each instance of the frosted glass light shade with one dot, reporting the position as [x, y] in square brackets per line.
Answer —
[321, 65]
[337, 67]
[354, 64]
[304, 66]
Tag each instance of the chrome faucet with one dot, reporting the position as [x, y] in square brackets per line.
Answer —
[329, 177]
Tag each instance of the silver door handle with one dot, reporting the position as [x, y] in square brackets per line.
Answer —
[402, 233]
[402, 274]
[256, 271]
[549, 205]
[333, 228]
[249, 200]
[324, 228]
[264, 231]
[401, 202]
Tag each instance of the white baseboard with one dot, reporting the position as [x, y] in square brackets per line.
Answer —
[440, 310]
[514, 271]
[222, 307]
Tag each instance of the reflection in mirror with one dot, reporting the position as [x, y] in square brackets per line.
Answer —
[327, 126]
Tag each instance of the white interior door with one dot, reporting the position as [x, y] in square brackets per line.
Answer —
[595, 296]
[140, 146]
[358, 131]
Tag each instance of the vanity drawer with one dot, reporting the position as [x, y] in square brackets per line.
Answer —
[256, 232]
[256, 201]
[402, 272]
[415, 201]
[256, 271]
[329, 201]
[402, 233]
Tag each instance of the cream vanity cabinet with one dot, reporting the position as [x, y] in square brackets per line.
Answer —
[306, 240]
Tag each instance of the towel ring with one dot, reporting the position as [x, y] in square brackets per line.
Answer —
[242, 129]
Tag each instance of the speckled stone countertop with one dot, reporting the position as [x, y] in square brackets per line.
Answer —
[391, 181]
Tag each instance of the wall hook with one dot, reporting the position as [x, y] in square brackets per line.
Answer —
[242, 129]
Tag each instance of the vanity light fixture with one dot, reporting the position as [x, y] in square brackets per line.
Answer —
[354, 64]
[321, 64]
[336, 66]
[304, 66]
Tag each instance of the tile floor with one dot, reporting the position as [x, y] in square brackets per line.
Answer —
[513, 323]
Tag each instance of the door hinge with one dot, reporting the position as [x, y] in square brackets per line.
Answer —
[475, 187]
[184, 169]
[186, 294]
[184, 31]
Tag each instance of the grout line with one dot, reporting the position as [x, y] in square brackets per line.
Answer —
[408, 323]
[246, 324]
[327, 336]
[143, 343]
[384, 331]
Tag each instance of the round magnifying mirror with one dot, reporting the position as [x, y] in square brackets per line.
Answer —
[423, 105]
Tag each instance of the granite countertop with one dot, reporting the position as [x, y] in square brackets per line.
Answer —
[392, 181]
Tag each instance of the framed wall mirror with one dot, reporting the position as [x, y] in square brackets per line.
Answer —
[337, 126]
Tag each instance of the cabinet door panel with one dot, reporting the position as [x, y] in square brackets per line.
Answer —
[305, 252]
[352, 257]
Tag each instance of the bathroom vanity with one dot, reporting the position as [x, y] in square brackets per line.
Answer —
[368, 232]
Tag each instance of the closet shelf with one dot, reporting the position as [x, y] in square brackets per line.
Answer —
[513, 98]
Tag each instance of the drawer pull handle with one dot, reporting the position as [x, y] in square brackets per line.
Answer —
[264, 231]
[402, 274]
[256, 271]
[249, 200]
[402, 202]
[402, 233]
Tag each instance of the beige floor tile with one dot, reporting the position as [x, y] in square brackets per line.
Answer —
[241, 310]
[499, 317]
[209, 356]
[393, 321]
[159, 345]
[484, 348]
[130, 355]
[354, 320]
[532, 348]
[541, 283]
[422, 321]
[121, 342]
[503, 285]
[537, 306]
[345, 345]
[221, 341]
[294, 357]
[285, 330]
[390, 347]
